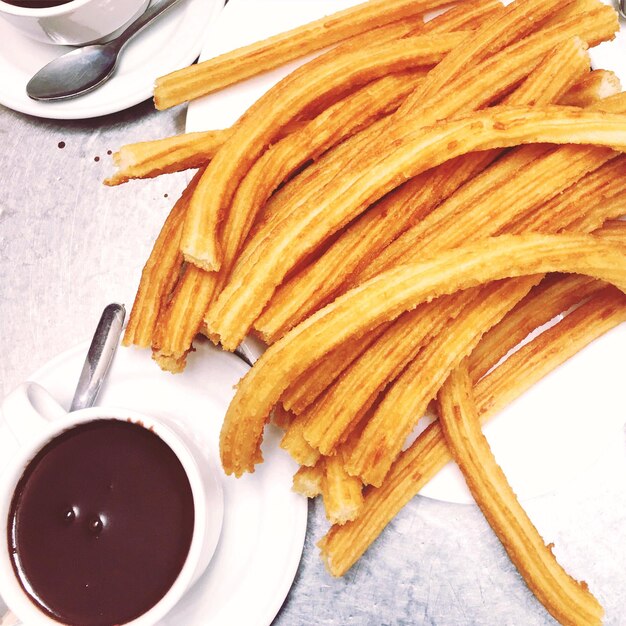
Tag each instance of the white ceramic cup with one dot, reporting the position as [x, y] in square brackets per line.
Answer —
[35, 418]
[75, 23]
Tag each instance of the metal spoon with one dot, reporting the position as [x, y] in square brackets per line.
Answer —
[81, 70]
[99, 356]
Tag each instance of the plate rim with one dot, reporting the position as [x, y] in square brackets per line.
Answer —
[98, 109]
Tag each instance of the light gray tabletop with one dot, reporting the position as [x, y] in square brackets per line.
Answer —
[69, 245]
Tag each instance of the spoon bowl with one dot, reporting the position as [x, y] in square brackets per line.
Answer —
[82, 70]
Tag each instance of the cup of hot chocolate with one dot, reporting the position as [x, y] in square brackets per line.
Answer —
[71, 22]
[107, 516]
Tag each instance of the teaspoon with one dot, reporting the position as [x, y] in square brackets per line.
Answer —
[81, 70]
[99, 356]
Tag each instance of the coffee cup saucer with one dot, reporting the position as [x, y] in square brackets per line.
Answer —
[264, 522]
[172, 42]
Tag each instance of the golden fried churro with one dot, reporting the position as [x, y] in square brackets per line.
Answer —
[294, 442]
[555, 295]
[227, 69]
[254, 280]
[516, 21]
[384, 298]
[180, 321]
[331, 74]
[613, 230]
[469, 15]
[148, 159]
[281, 417]
[567, 600]
[307, 481]
[604, 185]
[343, 545]
[159, 275]
[342, 493]
[597, 85]
[307, 387]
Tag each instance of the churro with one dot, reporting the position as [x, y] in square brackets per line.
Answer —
[226, 69]
[567, 600]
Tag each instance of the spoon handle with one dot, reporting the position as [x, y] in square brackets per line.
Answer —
[99, 356]
[152, 12]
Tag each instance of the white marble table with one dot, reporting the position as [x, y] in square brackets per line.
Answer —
[69, 245]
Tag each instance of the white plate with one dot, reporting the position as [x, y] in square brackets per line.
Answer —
[173, 41]
[264, 521]
[559, 428]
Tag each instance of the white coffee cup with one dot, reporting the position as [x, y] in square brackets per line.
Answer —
[75, 23]
[35, 419]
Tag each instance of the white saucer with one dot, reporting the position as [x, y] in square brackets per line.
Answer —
[172, 42]
[264, 521]
[561, 426]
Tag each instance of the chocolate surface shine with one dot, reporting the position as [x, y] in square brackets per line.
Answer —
[101, 523]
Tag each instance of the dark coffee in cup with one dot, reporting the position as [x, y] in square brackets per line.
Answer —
[100, 523]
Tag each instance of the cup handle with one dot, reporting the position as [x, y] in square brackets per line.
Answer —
[27, 410]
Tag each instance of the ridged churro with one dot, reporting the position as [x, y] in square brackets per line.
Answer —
[567, 600]
[232, 67]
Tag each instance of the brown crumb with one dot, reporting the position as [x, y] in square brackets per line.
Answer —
[96, 158]
[61, 144]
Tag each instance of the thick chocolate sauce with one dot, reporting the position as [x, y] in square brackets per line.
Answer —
[37, 4]
[101, 523]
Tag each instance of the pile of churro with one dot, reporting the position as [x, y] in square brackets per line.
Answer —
[392, 219]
